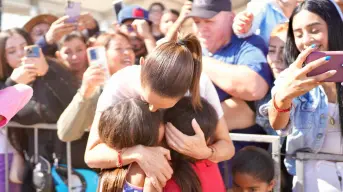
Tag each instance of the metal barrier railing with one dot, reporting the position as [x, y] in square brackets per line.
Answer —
[36, 152]
[299, 164]
[273, 140]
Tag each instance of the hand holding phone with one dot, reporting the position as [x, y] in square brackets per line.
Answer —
[34, 56]
[97, 56]
[32, 51]
[73, 10]
[335, 63]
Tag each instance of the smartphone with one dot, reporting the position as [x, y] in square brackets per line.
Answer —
[335, 63]
[117, 6]
[32, 51]
[97, 56]
[73, 10]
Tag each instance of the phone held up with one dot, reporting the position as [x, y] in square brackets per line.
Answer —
[97, 56]
[335, 63]
[73, 10]
[32, 51]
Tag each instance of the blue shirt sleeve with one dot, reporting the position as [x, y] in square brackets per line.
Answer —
[252, 53]
[48, 50]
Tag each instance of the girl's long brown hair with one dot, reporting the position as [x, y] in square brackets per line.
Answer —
[174, 68]
[181, 116]
[126, 124]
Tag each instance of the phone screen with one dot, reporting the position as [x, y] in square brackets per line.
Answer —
[73, 10]
[32, 51]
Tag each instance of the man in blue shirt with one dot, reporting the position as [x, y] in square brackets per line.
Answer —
[237, 67]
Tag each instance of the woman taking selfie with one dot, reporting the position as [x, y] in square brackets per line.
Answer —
[308, 109]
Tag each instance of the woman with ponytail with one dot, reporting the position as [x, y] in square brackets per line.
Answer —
[170, 72]
[310, 108]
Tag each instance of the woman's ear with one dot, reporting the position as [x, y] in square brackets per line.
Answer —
[271, 185]
[141, 61]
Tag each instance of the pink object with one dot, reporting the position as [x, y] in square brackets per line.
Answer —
[12, 100]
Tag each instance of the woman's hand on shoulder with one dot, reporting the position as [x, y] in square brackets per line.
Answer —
[295, 82]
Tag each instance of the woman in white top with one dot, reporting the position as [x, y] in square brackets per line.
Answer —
[172, 70]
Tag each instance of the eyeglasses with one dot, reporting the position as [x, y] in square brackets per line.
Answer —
[129, 28]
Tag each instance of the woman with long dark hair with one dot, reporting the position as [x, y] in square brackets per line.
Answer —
[310, 108]
[46, 78]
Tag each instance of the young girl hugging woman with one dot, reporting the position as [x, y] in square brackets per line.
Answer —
[128, 123]
[170, 72]
[190, 175]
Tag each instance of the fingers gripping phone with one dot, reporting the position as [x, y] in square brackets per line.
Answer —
[117, 6]
[73, 10]
[32, 51]
[335, 63]
[97, 56]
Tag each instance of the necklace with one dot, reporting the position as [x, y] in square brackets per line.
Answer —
[332, 117]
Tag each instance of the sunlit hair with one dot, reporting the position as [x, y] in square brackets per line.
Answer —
[174, 68]
[279, 29]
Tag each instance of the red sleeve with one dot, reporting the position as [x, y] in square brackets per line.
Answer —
[171, 186]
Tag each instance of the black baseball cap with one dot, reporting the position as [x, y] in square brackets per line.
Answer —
[209, 8]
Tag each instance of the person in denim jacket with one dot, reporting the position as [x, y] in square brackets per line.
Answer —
[307, 109]
[277, 65]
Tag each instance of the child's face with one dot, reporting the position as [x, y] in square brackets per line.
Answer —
[245, 183]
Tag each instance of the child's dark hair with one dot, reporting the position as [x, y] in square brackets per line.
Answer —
[126, 124]
[181, 116]
[255, 162]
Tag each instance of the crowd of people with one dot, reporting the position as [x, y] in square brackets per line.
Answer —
[157, 117]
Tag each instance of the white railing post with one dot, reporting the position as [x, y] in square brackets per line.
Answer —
[35, 127]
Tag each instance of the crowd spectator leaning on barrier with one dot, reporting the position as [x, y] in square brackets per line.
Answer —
[78, 116]
[308, 109]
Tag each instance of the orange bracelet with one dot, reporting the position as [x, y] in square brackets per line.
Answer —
[281, 110]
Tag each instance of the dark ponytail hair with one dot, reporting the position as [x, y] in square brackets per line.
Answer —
[181, 116]
[174, 68]
[326, 10]
[126, 124]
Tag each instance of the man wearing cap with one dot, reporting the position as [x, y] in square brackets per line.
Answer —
[134, 22]
[237, 67]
